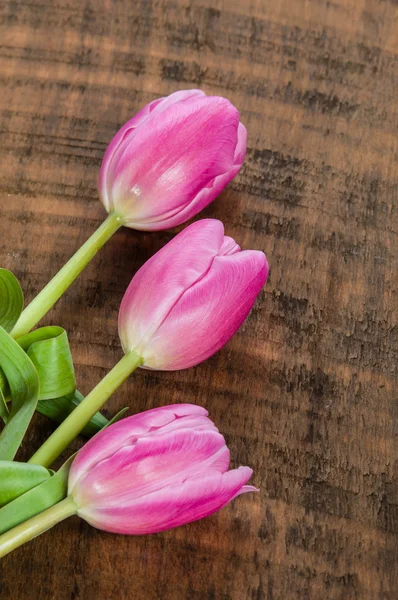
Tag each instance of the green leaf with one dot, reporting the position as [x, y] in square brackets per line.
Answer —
[4, 384]
[37, 499]
[3, 408]
[16, 478]
[48, 349]
[23, 381]
[11, 299]
[58, 409]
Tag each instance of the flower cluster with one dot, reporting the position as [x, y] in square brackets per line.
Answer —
[167, 466]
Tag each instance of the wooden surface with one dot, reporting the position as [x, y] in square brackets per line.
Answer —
[306, 391]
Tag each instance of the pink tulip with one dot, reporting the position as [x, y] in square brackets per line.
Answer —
[151, 472]
[187, 300]
[154, 471]
[172, 159]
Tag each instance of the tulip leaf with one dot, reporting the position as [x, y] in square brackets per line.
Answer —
[16, 478]
[37, 499]
[23, 382]
[11, 300]
[5, 390]
[48, 349]
[3, 408]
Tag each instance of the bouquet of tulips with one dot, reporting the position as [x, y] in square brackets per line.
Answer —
[167, 466]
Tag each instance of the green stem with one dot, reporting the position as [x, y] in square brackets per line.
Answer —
[36, 525]
[66, 276]
[76, 421]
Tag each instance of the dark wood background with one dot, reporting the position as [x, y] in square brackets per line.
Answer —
[304, 393]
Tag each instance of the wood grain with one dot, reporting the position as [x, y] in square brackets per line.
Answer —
[306, 391]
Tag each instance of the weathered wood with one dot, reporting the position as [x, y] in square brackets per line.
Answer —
[305, 392]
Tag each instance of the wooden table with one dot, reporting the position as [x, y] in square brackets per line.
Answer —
[304, 393]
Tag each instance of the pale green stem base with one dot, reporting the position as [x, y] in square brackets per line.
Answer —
[36, 525]
[66, 276]
[78, 419]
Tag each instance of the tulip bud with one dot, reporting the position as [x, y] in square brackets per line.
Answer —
[172, 159]
[187, 300]
[154, 471]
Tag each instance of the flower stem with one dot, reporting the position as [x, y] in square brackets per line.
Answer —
[78, 418]
[33, 527]
[66, 276]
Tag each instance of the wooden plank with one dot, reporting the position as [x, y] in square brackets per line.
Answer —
[306, 391]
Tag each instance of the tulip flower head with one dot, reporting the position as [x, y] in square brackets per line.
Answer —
[154, 471]
[172, 159]
[189, 299]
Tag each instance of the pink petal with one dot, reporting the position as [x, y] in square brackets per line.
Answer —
[164, 278]
[245, 489]
[151, 463]
[109, 440]
[114, 151]
[167, 164]
[164, 509]
[188, 422]
[118, 144]
[240, 150]
[229, 247]
[185, 212]
[182, 96]
[208, 313]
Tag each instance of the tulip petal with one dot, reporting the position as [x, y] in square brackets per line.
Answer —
[109, 440]
[164, 509]
[152, 463]
[202, 199]
[118, 144]
[245, 489]
[223, 299]
[229, 247]
[188, 422]
[115, 150]
[182, 96]
[164, 278]
[181, 150]
[240, 150]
